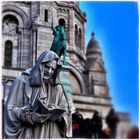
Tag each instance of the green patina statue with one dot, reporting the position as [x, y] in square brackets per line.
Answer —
[59, 41]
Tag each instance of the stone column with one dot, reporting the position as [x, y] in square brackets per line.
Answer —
[71, 27]
[34, 50]
[84, 38]
[19, 49]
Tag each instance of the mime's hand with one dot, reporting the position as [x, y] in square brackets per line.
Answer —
[25, 115]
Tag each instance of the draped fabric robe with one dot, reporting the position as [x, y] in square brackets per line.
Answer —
[22, 94]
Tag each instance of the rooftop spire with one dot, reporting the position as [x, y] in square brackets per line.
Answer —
[92, 34]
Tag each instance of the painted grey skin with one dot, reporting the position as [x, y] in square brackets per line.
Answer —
[39, 83]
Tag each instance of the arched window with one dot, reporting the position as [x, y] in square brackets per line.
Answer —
[10, 24]
[80, 38]
[61, 21]
[8, 54]
[46, 15]
[75, 84]
[76, 35]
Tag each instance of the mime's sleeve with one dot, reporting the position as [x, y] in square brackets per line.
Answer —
[68, 103]
[15, 101]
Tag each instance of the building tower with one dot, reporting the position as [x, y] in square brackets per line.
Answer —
[96, 77]
[27, 32]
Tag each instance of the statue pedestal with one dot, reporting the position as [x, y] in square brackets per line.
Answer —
[65, 81]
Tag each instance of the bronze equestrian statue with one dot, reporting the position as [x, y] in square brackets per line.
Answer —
[59, 41]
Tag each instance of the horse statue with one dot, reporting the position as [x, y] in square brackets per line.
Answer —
[59, 41]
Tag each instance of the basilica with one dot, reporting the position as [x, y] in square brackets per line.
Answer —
[26, 33]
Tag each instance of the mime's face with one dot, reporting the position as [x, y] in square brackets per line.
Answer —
[49, 69]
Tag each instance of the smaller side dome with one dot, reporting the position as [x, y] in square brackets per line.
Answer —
[93, 46]
[93, 52]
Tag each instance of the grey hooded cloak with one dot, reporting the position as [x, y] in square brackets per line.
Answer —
[24, 91]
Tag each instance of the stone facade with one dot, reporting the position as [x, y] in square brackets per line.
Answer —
[27, 30]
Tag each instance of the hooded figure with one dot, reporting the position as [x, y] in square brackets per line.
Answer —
[36, 87]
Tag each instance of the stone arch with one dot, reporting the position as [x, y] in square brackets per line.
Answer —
[24, 20]
[19, 45]
[20, 20]
[11, 17]
[75, 84]
[64, 18]
[62, 21]
[10, 24]
[11, 33]
[79, 78]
